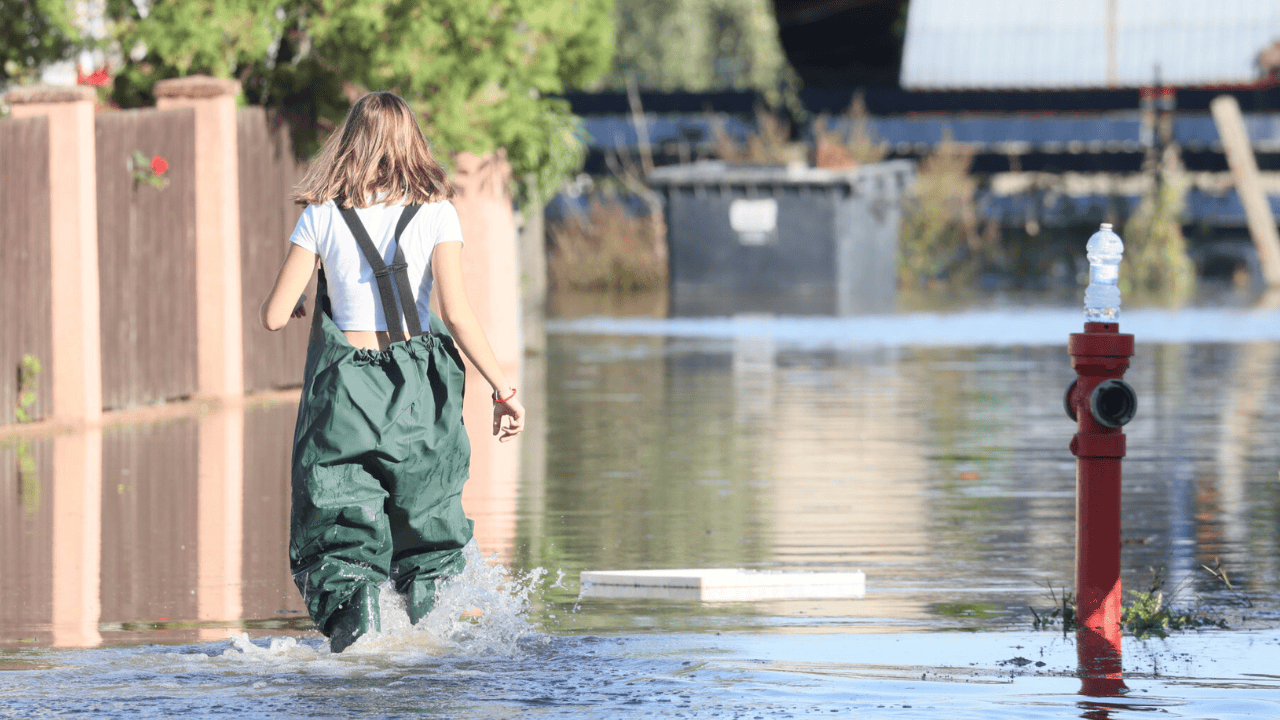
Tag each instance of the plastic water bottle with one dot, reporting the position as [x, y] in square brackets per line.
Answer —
[1102, 297]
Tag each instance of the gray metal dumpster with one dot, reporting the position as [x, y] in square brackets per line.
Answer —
[787, 240]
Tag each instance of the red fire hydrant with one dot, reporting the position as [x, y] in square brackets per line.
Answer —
[1101, 402]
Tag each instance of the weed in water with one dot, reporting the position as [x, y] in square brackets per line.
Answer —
[1148, 613]
[1220, 574]
[28, 381]
[1062, 613]
[28, 479]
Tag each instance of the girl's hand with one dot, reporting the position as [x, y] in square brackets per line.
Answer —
[508, 419]
[300, 310]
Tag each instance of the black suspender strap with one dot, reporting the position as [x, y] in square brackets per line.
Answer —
[402, 275]
[382, 272]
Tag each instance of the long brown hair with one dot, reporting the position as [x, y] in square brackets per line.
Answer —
[378, 148]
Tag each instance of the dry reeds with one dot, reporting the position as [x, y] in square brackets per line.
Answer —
[609, 249]
[769, 145]
[857, 144]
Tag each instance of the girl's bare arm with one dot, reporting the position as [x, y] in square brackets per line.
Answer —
[456, 312]
[283, 300]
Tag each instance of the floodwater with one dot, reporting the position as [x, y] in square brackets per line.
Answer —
[144, 569]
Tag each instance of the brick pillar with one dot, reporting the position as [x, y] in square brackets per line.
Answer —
[76, 367]
[489, 270]
[219, 339]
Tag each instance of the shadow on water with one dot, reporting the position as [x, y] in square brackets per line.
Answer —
[132, 553]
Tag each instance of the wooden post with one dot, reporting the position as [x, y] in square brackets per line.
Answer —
[1244, 170]
[219, 327]
[76, 365]
[641, 125]
[1113, 44]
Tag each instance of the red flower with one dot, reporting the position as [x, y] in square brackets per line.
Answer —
[97, 77]
[159, 165]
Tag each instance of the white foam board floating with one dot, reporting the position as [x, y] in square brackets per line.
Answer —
[721, 584]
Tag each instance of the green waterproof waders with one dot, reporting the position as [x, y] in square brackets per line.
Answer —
[379, 459]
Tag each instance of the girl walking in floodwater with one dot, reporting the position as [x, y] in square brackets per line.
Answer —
[379, 452]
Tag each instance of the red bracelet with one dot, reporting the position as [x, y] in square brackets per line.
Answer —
[499, 399]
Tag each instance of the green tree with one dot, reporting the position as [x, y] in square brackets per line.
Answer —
[479, 73]
[700, 45]
[32, 33]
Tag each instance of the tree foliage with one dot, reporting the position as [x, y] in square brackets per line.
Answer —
[700, 45]
[478, 72]
[32, 33]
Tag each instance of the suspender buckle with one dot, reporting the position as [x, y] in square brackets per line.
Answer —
[381, 271]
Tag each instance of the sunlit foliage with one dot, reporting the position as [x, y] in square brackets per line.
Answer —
[479, 73]
[699, 45]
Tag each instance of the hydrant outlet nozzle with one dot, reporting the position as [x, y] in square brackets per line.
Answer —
[1113, 403]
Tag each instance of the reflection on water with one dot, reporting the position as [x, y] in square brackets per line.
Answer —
[148, 528]
[941, 472]
[177, 528]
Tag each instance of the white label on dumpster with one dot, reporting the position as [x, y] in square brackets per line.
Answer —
[755, 221]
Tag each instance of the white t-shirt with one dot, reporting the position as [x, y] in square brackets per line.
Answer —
[353, 292]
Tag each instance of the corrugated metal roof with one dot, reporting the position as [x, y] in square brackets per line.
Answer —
[1053, 44]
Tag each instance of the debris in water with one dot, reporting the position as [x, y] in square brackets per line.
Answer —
[721, 584]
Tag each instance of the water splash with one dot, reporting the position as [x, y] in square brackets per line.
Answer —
[279, 647]
[583, 589]
[482, 612]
